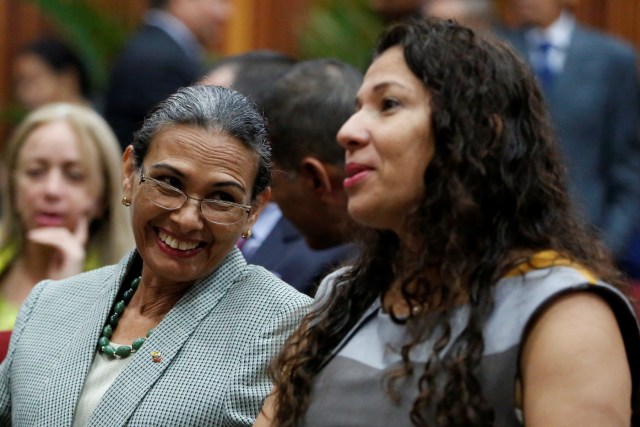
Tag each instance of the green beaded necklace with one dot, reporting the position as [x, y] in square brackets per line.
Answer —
[104, 344]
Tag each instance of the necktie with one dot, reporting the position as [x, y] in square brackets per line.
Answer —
[542, 70]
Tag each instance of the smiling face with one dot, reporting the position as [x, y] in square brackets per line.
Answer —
[180, 245]
[53, 186]
[388, 144]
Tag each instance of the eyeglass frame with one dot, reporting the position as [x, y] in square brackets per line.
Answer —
[246, 208]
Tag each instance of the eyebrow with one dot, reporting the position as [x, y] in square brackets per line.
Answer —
[40, 161]
[383, 85]
[379, 87]
[181, 174]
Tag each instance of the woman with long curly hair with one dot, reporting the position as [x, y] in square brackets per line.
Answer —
[480, 298]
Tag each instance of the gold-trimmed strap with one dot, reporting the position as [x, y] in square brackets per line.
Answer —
[550, 258]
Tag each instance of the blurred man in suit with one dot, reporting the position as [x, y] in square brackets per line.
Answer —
[251, 73]
[305, 109]
[590, 81]
[163, 55]
[275, 243]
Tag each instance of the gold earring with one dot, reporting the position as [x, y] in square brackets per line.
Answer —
[125, 201]
[246, 235]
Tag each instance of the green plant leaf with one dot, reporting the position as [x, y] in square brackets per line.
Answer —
[346, 30]
[95, 34]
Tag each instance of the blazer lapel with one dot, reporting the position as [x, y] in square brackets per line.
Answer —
[578, 58]
[76, 354]
[168, 338]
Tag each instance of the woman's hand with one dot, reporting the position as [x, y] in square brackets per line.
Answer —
[69, 247]
[574, 366]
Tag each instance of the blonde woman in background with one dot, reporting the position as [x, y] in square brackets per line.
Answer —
[61, 202]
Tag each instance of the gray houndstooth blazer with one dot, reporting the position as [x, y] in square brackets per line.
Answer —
[215, 345]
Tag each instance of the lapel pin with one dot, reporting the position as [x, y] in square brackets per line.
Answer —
[156, 357]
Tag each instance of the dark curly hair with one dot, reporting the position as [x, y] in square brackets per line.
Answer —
[495, 194]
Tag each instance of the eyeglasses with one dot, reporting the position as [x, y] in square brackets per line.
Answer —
[169, 197]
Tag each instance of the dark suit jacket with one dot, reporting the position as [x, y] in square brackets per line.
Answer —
[594, 105]
[151, 67]
[285, 253]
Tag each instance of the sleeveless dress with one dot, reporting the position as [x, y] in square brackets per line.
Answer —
[351, 388]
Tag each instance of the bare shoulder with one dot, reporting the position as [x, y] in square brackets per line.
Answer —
[574, 365]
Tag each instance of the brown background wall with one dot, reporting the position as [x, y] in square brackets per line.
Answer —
[262, 24]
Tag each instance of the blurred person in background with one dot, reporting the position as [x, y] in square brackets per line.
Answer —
[274, 242]
[478, 14]
[180, 331]
[270, 79]
[590, 83]
[166, 53]
[305, 109]
[47, 70]
[61, 204]
[251, 73]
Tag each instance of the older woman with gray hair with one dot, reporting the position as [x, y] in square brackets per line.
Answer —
[180, 331]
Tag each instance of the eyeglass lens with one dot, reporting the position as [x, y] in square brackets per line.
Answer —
[169, 197]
